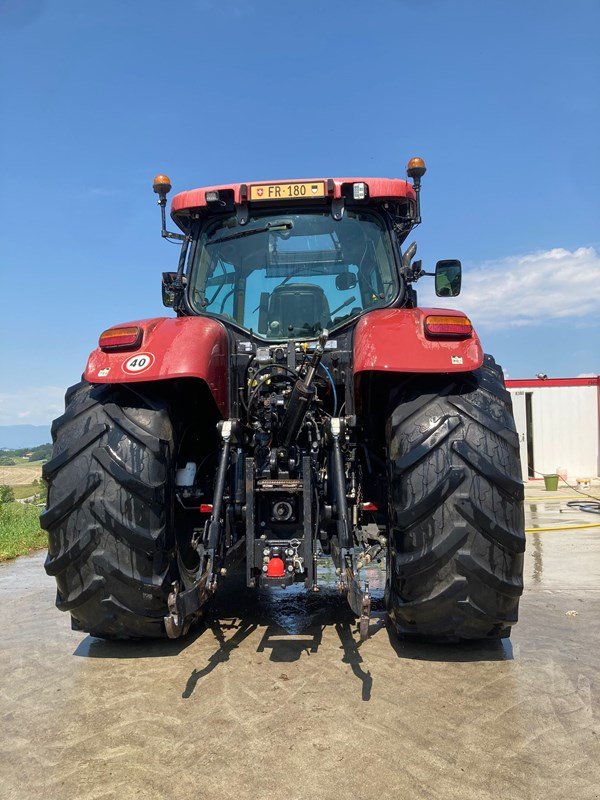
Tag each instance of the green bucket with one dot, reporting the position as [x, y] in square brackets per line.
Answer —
[551, 483]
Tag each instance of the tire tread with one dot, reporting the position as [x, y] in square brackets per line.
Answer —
[456, 508]
[110, 545]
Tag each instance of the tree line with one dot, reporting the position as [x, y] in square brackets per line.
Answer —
[40, 453]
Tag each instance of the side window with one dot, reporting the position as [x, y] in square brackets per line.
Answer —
[220, 289]
[376, 276]
[385, 263]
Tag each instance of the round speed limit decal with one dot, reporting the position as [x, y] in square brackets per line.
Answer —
[138, 363]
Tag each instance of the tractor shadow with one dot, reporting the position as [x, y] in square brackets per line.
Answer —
[292, 622]
[92, 647]
[451, 652]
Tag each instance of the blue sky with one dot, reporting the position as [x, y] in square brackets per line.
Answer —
[500, 98]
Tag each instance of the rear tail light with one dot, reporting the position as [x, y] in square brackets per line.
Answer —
[206, 508]
[121, 338]
[446, 326]
[369, 507]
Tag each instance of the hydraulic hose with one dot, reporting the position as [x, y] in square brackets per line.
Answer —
[589, 506]
[331, 381]
[302, 394]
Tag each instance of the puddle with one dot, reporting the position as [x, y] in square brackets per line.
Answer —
[554, 515]
[295, 610]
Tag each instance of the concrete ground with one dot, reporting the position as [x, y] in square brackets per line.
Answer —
[275, 697]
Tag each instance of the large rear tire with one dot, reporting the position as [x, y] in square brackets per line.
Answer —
[109, 512]
[457, 538]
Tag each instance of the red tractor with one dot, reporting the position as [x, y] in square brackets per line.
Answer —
[299, 404]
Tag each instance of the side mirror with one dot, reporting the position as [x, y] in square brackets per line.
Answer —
[448, 277]
[168, 291]
[345, 281]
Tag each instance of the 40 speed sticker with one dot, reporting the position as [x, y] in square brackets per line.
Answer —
[138, 363]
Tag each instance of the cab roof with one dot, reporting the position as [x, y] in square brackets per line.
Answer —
[377, 188]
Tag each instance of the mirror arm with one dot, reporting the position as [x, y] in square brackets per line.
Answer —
[414, 276]
[412, 272]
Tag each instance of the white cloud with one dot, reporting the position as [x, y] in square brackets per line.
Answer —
[532, 289]
[34, 405]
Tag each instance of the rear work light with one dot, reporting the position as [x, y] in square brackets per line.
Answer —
[445, 326]
[359, 191]
[121, 338]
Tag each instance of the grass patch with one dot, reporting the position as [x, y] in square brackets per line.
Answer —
[21, 491]
[20, 531]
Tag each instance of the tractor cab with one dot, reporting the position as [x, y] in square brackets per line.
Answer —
[288, 260]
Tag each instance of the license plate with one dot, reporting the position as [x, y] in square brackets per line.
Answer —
[284, 191]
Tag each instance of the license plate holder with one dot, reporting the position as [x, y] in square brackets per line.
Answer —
[296, 190]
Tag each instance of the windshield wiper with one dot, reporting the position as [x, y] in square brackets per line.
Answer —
[280, 225]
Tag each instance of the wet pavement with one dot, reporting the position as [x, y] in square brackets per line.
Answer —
[563, 508]
[276, 698]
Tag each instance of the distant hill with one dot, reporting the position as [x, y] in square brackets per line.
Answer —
[15, 436]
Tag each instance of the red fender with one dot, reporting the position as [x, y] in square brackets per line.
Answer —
[394, 340]
[180, 347]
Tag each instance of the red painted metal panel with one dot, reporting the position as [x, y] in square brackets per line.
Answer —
[394, 340]
[539, 383]
[378, 187]
[181, 347]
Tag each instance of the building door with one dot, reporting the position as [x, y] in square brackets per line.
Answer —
[520, 412]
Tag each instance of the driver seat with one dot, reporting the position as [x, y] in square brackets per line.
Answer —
[298, 308]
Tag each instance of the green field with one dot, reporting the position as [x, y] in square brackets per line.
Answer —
[27, 490]
[20, 531]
